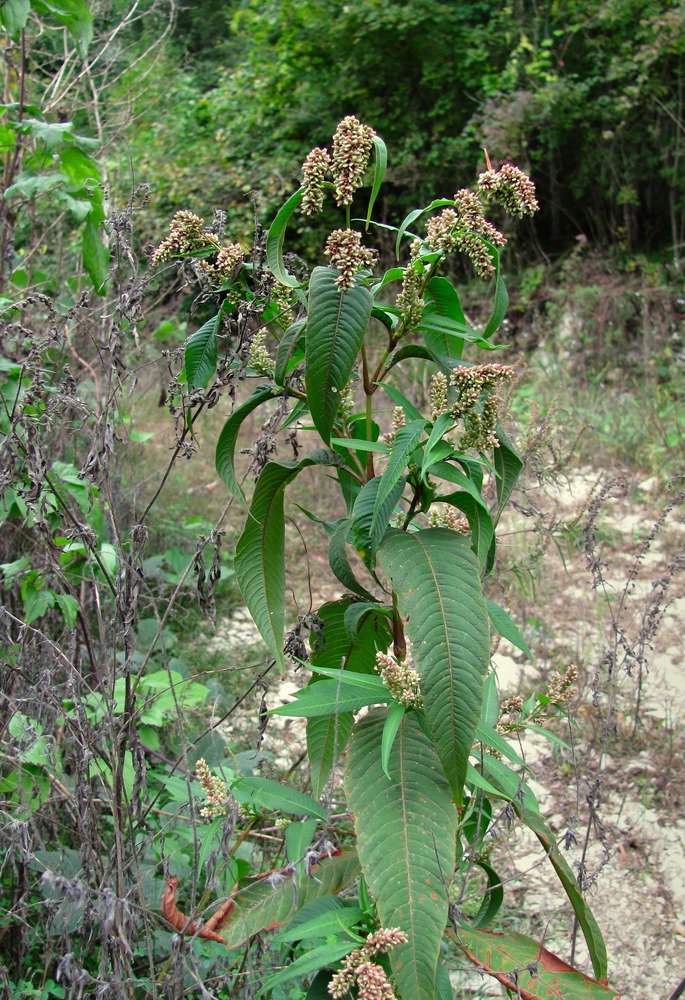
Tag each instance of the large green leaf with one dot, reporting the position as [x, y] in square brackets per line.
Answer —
[406, 440]
[327, 736]
[527, 969]
[335, 331]
[267, 905]
[260, 552]
[369, 521]
[225, 446]
[406, 828]
[339, 562]
[75, 17]
[480, 522]
[14, 15]
[201, 354]
[266, 793]
[437, 580]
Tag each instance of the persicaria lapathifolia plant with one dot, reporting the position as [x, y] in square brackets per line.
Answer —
[427, 773]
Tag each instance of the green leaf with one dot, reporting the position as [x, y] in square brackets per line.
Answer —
[501, 299]
[286, 349]
[409, 410]
[260, 553]
[69, 607]
[490, 711]
[75, 17]
[263, 792]
[78, 167]
[489, 736]
[540, 973]
[14, 15]
[327, 697]
[416, 214]
[443, 984]
[445, 299]
[512, 786]
[339, 562]
[201, 354]
[356, 444]
[327, 736]
[335, 331]
[36, 603]
[357, 612]
[508, 467]
[480, 522]
[493, 898]
[406, 441]
[552, 737]
[264, 905]
[225, 446]
[503, 624]
[409, 351]
[406, 826]
[298, 837]
[392, 274]
[335, 921]
[275, 240]
[369, 523]
[95, 255]
[392, 724]
[311, 961]
[437, 580]
[380, 165]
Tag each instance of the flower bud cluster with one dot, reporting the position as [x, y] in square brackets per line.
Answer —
[438, 395]
[227, 260]
[561, 690]
[471, 384]
[398, 420]
[352, 145]
[440, 231]
[214, 788]
[510, 188]
[186, 236]
[369, 978]
[410, 301]
[347, 254]
[258, 357]
[401, 679]
[314, 168]
[448, 517]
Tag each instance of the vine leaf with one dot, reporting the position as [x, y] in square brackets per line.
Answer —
[539, 973]
[335, 331]
[225, 446]
[437, 580]
[406, 826]
[260, 553]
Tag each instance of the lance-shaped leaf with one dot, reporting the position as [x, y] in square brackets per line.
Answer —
[336, 325]
[340, 564]
[267, 904]
[501, 300]
[527, 969]
[437, 580]
[275, 239]
[201, 354]
[508, 467]
[286, 350]
[327, 736]
[260, 552]
[406, 828]
[225, 446]
[406, 440]
[369, 522]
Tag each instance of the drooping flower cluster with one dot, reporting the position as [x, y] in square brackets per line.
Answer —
[441, 231]
[314, 168]
[370, 979]
[187, 236]
[401, 679]
[510, 188]
[352, 145]
[470, 209]
[398, 420]
[480, 382]
[214, 788]
[347, 254]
